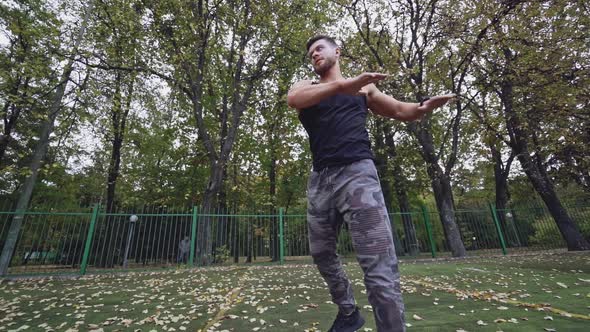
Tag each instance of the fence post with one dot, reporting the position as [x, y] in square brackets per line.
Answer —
[429, 230]
[281, 238]
[191, 259]
[498, 228]
[89, 238]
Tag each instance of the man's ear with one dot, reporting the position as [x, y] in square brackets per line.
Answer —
[338, 51]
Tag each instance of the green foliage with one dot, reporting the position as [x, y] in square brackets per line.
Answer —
[547, 235]
[222, 254]
[156, 46]
[28, 58]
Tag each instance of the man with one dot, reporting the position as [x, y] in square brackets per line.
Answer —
[344, 186]
[183, 249]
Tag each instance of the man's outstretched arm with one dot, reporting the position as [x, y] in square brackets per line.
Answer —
[390, 107]
[303, 94]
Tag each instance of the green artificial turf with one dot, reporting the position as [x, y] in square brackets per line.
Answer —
[542, 292]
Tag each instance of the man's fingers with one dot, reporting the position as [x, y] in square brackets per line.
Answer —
[375, 77]
[361, 81]
[372, 77]
[450, 95]
[379, 75]
[443, 99]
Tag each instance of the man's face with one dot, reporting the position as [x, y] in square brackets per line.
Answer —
[323, 56]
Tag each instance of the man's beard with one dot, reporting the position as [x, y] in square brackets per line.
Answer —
[324, 67]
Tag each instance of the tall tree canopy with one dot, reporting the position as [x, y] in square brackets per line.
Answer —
[182, 102]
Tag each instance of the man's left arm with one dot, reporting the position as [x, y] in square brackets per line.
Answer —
[387, 106]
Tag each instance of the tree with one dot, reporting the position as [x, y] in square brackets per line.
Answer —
[415, 51]
[30, 29]
[487, 112]
[217, 66]
[534, 98]
[117, 36]
[372, 34]
[53, 110]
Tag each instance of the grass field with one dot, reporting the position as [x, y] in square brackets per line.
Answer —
[542, 292]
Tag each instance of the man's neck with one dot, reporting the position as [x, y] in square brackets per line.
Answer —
[333, 74]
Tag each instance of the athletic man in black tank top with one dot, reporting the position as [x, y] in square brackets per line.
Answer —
[344, 186]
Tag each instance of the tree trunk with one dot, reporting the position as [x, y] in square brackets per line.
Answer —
[544, 187]
[234, 233]
[535, 171]
[502, 197]
[249, 240]
[381, 165]
[235, 229]
[501, 172]
[272, 191]
[118, 117]
[39, 154]
[220, 224]
[119, 112]
[441, 186]
[205, 243]
[413, 247]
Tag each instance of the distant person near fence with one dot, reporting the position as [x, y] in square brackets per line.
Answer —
[183, 249]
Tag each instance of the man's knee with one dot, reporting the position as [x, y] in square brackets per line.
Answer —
[381, 271]
[370, 232]
[324, 257]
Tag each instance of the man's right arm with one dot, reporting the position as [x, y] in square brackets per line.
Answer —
[304, 94]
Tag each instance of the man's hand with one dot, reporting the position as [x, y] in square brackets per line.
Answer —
[435, 102]
[354, 86]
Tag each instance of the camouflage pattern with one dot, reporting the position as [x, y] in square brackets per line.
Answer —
[352, 193]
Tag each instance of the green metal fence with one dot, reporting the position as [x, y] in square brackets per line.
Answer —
[94, 240]
[47, 241]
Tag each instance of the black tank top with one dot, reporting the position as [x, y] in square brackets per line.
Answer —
[336, 129]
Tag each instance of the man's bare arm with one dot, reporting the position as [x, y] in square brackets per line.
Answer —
[390, 107]
[303, 94]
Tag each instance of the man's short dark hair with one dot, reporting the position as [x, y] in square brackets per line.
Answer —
[318, 37]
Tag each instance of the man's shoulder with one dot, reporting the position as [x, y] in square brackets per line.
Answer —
[302, 83]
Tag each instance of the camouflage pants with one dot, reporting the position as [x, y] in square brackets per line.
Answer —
[352, 193]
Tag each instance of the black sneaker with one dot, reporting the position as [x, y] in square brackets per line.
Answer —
[350, 323]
